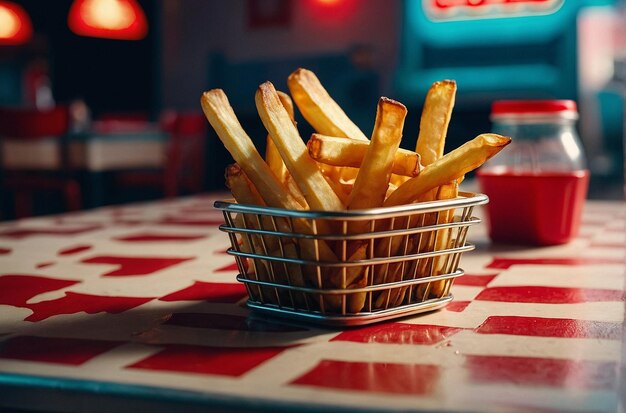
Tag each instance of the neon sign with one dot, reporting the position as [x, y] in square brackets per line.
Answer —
[444, 10]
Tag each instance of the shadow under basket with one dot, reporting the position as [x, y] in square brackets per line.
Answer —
[350, 268]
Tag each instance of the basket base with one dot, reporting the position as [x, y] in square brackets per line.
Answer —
[349, 320]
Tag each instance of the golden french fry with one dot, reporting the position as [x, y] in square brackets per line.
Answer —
[314, 187]
[372, 180]
[441, 241]
[357, 277]
[348, 278]
[426, 242]
[318, 108]
[287, 103]
[240, 186]
[222, 118]
[335, 151]
[434, 121]
[251, 271]
[450, 167]
[430, 145]
[340, 186]
[272, 156]
[275, 162]
[245, 193]
[400, 245]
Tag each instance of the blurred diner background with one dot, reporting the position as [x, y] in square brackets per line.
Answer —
[99, 99]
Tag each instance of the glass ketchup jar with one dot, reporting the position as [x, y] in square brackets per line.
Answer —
[537, 186]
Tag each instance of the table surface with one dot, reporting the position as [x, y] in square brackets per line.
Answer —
[133, 306]
[100, 149]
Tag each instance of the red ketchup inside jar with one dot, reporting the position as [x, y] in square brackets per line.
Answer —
[538, 185]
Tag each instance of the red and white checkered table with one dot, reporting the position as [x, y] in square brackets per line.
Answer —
[138, 306]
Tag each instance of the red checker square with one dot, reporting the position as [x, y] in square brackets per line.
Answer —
[16, 290]
[530, 371]
[73, 303]
[548, 295]
[551, 327]
[5, 251]
[506, 263]
[136, 265]
[221, 361]
[212, 292]
[414, 379]
[398, 333]
[75, 249]
[70, 351]
[457, 306]
[475, 280]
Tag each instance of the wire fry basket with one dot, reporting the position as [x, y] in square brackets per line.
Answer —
[350, 267]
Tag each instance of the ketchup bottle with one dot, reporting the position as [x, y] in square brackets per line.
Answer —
[538, 185]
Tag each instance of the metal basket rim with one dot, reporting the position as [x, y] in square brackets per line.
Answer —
[465, 199]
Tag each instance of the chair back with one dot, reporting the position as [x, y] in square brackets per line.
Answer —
[25, 123]
[185, 157]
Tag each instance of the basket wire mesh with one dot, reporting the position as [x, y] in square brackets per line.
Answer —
[350, 267]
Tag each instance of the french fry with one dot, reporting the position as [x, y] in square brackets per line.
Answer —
[399, 245]
[275, 162]
[336, 151]
[341, 187]
[450, 167]
[314, 187]
[441, 241]
[427, 242]
[251, 271]
[272, 156]
[372, 180]
[372, 183]
[434, 121]
[244, 193]
[222, 118]
[430, 145]
[319, 109]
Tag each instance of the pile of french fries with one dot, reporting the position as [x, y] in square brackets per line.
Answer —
[340, 169]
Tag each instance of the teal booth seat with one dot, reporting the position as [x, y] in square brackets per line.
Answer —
[527, 57]
[10, 84]
[355, 89]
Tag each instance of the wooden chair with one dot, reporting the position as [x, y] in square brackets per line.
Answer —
[183, 159]
[21, 125]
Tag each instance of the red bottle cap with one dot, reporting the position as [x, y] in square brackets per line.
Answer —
[508, 108]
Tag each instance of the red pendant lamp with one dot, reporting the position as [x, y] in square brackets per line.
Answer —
[109, 19]
[15, 25]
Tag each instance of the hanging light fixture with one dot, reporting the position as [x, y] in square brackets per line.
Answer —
[15, 26]
[109, 19]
